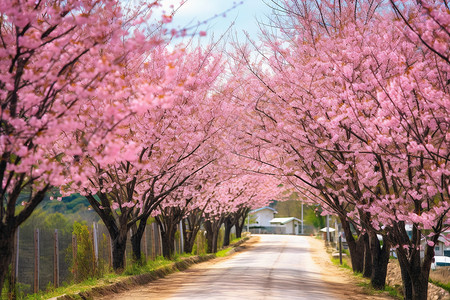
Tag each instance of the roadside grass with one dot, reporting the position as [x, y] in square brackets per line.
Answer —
[223, 252]
[110, 278]
[345, 265]
[445, 286]
[393, 291]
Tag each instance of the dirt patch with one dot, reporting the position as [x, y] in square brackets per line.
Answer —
[341, 281]
[394, 278]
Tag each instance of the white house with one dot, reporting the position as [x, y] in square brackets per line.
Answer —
[289, 225]
[262, 216]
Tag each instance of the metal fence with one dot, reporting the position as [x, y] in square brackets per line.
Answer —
[46, 258]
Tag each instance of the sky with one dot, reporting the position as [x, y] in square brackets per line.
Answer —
[245, 16]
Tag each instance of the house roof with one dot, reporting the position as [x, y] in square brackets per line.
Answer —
[329, 229]
[262, 208]
[283, 221]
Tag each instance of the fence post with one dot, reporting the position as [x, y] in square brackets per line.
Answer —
[74, 256]
[145, 244]
[56, 259]
[198, 237]
[14, 266]
[36, 260]
[95, 229]
[160, 241]
[91, 236]
[152, 236]
[110, 252]
[181, 237]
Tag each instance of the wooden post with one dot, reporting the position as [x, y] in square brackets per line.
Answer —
[110, 252]
[145, 244]
[56, 259]
[160, 242]
[181, 237]
[198, 242]
[36, 260]
[91, 236]
[95, 233]
[74, 256]
[14, 266]
[152, 240]
[340, 249]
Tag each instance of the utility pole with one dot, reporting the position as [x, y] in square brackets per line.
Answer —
[328, 228]
[302, 219]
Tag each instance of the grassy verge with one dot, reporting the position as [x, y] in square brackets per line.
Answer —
[110, 278]
[393, 291]
[445, 286]
[153, 269]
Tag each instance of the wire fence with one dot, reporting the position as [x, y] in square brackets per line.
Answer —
[47, 258]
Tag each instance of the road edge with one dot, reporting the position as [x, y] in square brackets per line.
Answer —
[142, 279]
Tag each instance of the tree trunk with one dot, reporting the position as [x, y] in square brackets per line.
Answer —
[367, 257]
[415, 271]
[6, 245]
[238, 230]
[191, 226]
[168, 242]
[406, 281]
[119, 242]
[380, 260]
[228, 225]
[209, 236]
[190, 233]
[239, 221]
[136, 239]
[356, 247]
[212, 234]
[168, 229]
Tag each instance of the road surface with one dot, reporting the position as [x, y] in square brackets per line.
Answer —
[277, 267]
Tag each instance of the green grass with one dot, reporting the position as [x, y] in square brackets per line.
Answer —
[223, 252]
[394, 292]
[131, 270]
[68, 289]
[445, 286]
[235, 240]
[109, 278]
[335, 261]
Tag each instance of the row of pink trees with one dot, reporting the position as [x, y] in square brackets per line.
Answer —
[70, 75]
[93, 101]
[163, 148]
[353, 109]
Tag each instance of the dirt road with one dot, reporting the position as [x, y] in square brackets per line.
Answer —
[275, 267]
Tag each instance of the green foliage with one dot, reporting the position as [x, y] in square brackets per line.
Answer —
[137, 269]
[84, 264]
[312, 216]
[200, 245]
[335, 260]
[223, 252]
[293, 208]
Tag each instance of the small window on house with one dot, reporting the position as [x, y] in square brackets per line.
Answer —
[437, 248]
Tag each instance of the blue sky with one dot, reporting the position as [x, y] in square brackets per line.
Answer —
[244, 15]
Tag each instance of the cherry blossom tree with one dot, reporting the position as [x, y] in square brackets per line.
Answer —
[358, 125]
[163, 148]
[61, 62]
